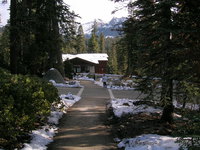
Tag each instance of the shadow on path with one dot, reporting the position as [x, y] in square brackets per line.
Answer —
[82, 128]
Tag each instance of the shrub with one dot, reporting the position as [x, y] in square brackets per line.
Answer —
[24, 102]
[68, 67]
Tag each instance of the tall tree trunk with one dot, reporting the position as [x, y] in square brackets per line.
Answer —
[58, 62]
[167, 86]
[14, 51]
[167, 98]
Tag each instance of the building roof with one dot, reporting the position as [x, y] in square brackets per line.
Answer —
[90, 57]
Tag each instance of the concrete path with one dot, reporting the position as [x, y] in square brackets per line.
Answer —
[82, 128]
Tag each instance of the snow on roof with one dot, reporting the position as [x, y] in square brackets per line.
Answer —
[91, 57]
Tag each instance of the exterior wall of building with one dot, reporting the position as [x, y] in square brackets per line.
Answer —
[82, 66]
[101, 67]
[92, 69]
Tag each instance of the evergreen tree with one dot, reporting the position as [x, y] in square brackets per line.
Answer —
[93, 46]
[5, 48]
[35, 34]
[121, 57]
[109, 43]
[148, 37]
[81, 47]
[165, 28]
[187, 24]
[112, 61]
[160, 38]
[70, 39]
[14, 38]
[102, 43]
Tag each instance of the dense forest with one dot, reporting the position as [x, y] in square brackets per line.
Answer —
[159, 45]
[161, 40]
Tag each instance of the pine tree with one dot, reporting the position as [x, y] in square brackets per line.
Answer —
[35, 34]
[14, 38]
[149, 37]
[102, 43]
[5, 48]
[187, 35]
[113, 60]
[93, 46]
[165, 28]
[121, 57]
[163, 35]
[81, 47]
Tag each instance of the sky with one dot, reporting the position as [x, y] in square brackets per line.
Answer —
[88, 10]
[4, 13]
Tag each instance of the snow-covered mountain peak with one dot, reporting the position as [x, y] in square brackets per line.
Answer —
[87, 27]
[106, 28]
[115, 21]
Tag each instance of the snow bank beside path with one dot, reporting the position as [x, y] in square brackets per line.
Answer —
[42, 137]
[126, 106]
[150, 142]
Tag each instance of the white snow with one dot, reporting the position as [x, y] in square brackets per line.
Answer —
[120, 87]
[74, 84]
[69, 100]
[126, 106]
[149, 142]
[87, 27]
[84, 78]
[100, 83]
[52, 69]
[187, 105]
[90, 57]
[114, 87]
[42, 137]
[146, 141]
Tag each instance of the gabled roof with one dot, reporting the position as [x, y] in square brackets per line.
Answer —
[90, 57]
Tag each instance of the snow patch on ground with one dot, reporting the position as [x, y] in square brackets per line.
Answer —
[74, 84]
[113, 87]
[85, 78]
[99, 83]
[126, 106]
[42, 137]
[187, 106]
[149, 142]
[146, 141]
[120, 87]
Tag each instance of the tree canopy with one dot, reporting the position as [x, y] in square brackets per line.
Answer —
[160, 38]
[36, 30]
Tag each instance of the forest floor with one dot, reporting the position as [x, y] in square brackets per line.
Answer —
[135, 125]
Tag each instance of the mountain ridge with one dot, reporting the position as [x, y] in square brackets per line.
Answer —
[108, 29]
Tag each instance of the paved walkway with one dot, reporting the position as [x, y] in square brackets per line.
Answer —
[82, 128]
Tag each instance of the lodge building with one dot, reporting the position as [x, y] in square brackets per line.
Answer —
[88, 62]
